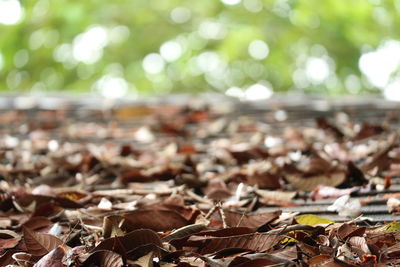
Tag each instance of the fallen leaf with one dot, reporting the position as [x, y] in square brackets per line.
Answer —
[392, 227]
[254, 220]
[243, 262]
[157, 220]
[196, 240]
[349, 230]
[38, 222]
[145, 260]
[323, 260]
[360, 243]
[103, 258]
[53, 258]
[6, 258]
[323, 123]
[25, 259]
[311, 219]
[130, 241]
[259, 242]
[8, 243]
[39, 244]
[367, 130]
[184, 231]
[111, 226]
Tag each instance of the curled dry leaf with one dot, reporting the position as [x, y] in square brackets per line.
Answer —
[39, 244]
[360, 243]
[24, 259]
[111, 226]
[8, 243]
[53, 258]
[8, 239]
[349, 230]
[6, 257]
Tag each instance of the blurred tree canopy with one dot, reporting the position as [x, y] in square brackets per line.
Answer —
[246, 48]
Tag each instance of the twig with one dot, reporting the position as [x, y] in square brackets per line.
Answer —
[210, 212]
[241, 218]
[70, 232]
[198, 198]
[222, 214]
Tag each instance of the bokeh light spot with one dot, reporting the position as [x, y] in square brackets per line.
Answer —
[392, 90]
[235, 92]
[110, 86]
[379, 65]
[21, 58]
[231, 2]
[180, 15]
[210, 29]
[171, 51]
[153, 63]
[317, 70]
[258, 91]
[10, 12]
[258, 49]
[88, 47]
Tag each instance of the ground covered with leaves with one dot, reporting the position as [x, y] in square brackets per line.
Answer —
[193, 186]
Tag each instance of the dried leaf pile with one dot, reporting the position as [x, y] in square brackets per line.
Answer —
[186, 186]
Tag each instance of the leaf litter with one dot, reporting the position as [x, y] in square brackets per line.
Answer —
[189, 186]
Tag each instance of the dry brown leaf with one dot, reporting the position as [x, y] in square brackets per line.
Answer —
[53, 258]
[38, 222]
[323, 260]
[349, 230]
[157, 220]
[259, 242]
[130, 241]
[309, 183]
[360, 243]
[39, 244]
[103, 258]
[255, 220]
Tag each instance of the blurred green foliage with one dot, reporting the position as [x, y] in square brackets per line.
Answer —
[90, 45]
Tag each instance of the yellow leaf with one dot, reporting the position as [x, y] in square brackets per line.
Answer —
[310, 219]
[392, 227]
